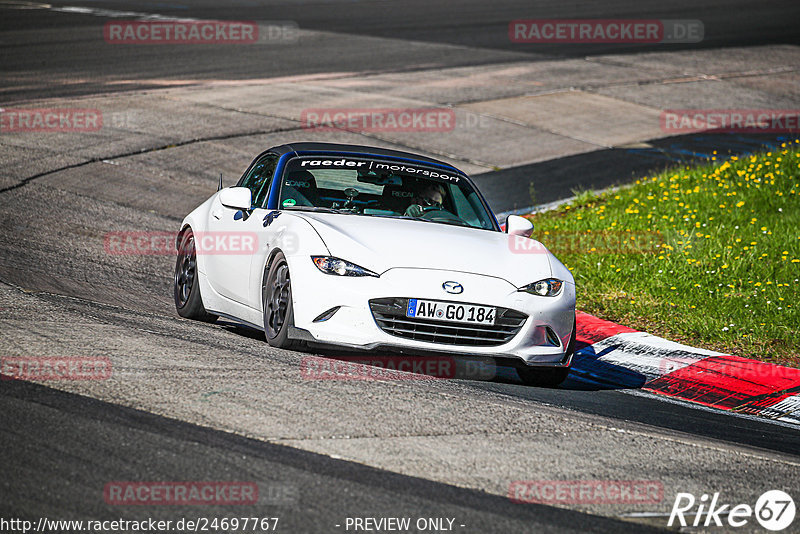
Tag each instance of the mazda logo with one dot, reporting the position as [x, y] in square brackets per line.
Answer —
[453, 287]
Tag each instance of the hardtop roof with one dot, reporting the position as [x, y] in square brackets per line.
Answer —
[356, 149]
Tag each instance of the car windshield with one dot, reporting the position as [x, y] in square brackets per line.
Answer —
[382, 189]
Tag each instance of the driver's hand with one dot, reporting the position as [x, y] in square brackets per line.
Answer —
[414, 210]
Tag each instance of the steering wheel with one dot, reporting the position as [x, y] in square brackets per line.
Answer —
[432, 213]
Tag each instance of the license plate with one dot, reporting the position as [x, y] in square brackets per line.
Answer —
[450, 311]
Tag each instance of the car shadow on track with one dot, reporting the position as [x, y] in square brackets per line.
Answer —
[240, 329]
[589, 372]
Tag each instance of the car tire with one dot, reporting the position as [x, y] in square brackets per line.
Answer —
[549, 377]
[186, 286]
[276, 299]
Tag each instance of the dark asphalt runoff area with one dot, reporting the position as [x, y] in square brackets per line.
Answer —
[47, 53]
[59, 470]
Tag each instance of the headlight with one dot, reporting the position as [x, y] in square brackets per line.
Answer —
[549, 287]
[340, 267]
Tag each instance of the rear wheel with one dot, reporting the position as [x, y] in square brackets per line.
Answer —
[276, 296]
[186, 288]
[549, 377]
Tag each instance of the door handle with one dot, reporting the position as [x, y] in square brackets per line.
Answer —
[217, 214]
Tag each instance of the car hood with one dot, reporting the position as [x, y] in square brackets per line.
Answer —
[382, 243]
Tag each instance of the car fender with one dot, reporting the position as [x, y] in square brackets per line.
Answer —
[290, 234]
[197, 220]
[560, 270]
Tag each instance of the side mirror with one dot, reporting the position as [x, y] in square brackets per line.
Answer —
[238, 198]
[516, 225]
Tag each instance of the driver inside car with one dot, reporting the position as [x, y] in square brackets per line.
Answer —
[430, 197]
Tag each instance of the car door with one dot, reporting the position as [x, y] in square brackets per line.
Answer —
[233, 238]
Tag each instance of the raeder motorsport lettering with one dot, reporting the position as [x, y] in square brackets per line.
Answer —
[369, 165]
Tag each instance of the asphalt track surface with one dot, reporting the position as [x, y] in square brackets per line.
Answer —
[329, 489]
[61, 447]
[45, 56]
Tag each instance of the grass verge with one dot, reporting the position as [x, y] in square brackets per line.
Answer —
[706, 255]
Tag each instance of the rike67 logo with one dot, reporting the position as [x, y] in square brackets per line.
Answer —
[774, 510]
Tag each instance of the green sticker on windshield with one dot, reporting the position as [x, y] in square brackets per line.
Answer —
[289, 202]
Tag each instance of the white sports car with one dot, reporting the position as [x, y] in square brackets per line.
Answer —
[367, 248]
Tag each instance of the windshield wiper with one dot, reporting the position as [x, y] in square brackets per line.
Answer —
[321, 209]
[456, 222]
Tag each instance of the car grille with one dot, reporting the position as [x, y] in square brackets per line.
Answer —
[390, 314]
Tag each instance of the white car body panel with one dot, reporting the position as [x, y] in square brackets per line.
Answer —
[380, 244]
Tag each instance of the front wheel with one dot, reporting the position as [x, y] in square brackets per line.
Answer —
[276, 297]
[186, 286]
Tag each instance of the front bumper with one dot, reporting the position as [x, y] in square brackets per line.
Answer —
[356, 325]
